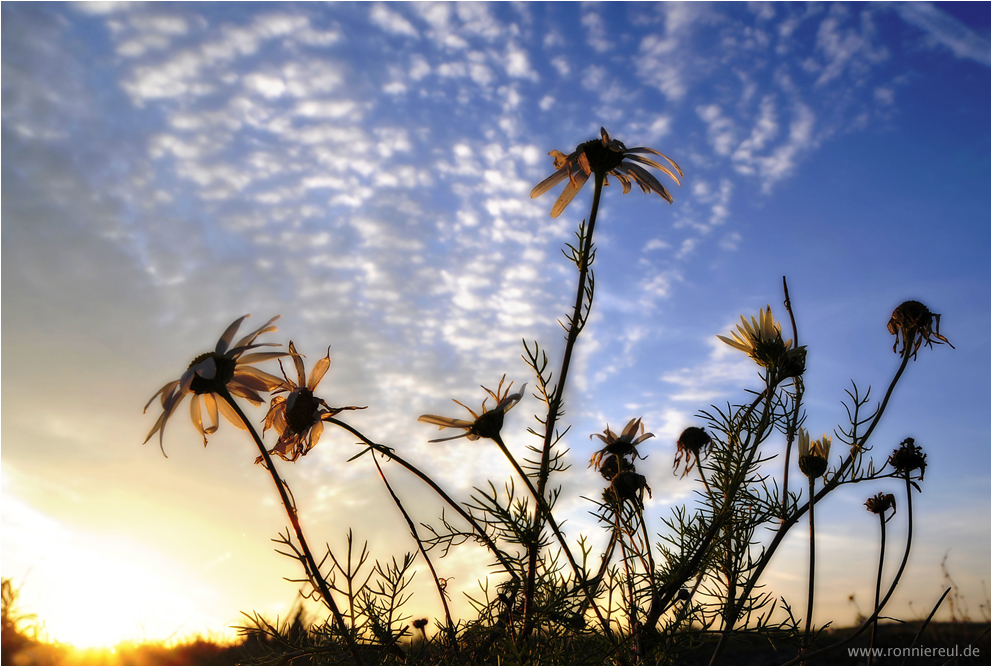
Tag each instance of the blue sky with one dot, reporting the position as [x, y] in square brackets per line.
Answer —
[364, 170]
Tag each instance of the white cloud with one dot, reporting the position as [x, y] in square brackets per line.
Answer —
[391, 21]
[944, 30]
[720, 128]
[596, 33]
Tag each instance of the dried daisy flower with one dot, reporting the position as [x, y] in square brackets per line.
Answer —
[909, 457]
[604, 156]
[620, 446]
[627, 485]
[485, 425]
[813, 456]
[761, 339]
[693, 442]
[881, 503]
[299, 417]
[225, 370]
[913, 324]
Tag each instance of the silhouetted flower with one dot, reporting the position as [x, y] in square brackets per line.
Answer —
[881, 503]
[914, 325]
[813, 456]
[691, 443]
[486, 425]
[627, 485]
[622, 445]
[604, 156]
[909, 457]
[299, 417]
[212, 372]
[761, 339]
[613, 465]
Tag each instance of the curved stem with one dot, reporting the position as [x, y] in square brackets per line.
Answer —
[812, 562]
[391, 455]
[420, 545]
[554, 406]
[834, 482]
[878, 608]
[313, 572]
[546, 511]
[878, 584]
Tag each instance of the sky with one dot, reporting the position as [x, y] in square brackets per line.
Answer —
[364, 170]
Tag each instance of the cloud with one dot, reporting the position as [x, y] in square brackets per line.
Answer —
[943, 30]
[391, 21]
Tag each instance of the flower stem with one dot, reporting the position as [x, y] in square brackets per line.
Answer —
[878, 584]
[392, 456]
[812, 562]
[420, 545]
[895, 581]
[546, 511]
[554, 406]
[313, 572]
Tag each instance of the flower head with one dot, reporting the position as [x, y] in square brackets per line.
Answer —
[618, 446]
[761, 339]
[813, 456]
[909, 457]
[485, 425]
[299, 417]
[225, 370]
[692, 442]
[881, 503]
[604, 156]
[627, 485]
[914, 325]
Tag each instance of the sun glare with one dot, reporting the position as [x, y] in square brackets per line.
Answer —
[94, 590]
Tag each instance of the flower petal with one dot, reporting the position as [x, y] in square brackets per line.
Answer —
[230, 415]
[445, 422]
[318, 370]
[548, 183]
[574, 185]
[228, 336]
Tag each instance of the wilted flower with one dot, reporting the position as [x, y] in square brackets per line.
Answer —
[627, 485]
[909, 457]
[299, 417]
[614, 465]
[761, 339]
[691, 443]
[881, 503]
[604, 156]
[622, 445]
[226, 368]
[813, 456]
[486, 425]
[914, 324]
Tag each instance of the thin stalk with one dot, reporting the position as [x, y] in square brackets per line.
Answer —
[812, 563]
[797, 383]
[554, 405]
[313, 572]
[391, 455]
[878, 608]
[792, 519]
[546, 511]
[420, 545]
[878, 584]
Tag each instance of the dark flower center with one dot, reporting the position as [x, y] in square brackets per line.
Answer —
[302, 413]
[223, 374]
[488, 425]
[602, 160]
